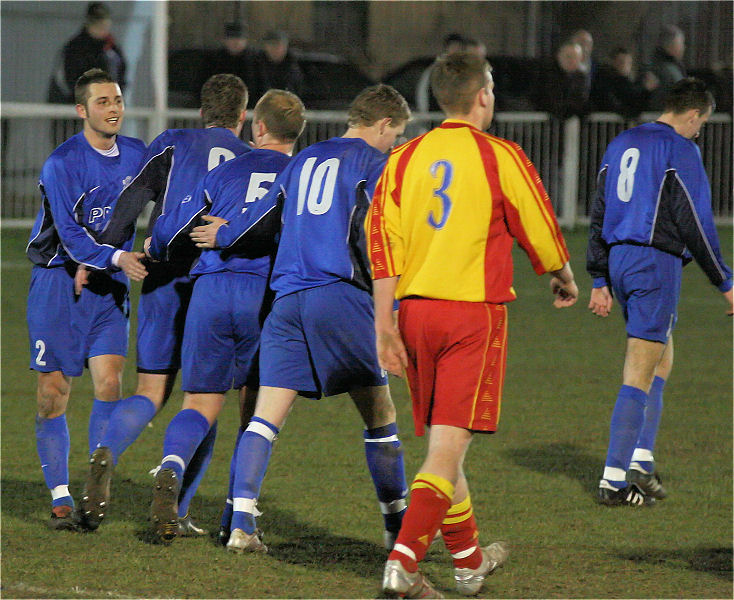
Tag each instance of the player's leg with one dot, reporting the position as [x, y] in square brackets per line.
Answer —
[642, 468]
[384, 454]
[53, 443]
[253, 455]
[247, 398]
[55, 334]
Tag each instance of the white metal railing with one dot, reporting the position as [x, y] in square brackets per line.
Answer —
[566, 154]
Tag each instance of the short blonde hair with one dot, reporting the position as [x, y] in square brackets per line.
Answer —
[378, 102]
[283, 114]
[455, 80]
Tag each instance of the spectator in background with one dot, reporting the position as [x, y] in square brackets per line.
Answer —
[92, 47]
[584, 39]
[614, 89]
[277, 67]
[475, 47]
[424, 101]
[563, 88]
[233, 57]
[667, 64]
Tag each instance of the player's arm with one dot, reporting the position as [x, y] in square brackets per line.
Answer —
[532, 222]
[170, 235]
[597, 252]
[81, 247]
[148, 186]
[688, 191]
[391, 351]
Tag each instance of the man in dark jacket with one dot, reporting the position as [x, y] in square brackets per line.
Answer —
[667, 64]
[92, 47]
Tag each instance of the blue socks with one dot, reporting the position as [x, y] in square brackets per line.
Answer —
[52, 442]
[253, 455]
[384, 455]
[98, 420]
[184, 434]
[127, 421]
[227, 512]
[624, 431]
[642, 456]
[195, 470]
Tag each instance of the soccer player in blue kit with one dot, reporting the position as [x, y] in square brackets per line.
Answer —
[174, 164]
[319, 338]
[66, 327]
[223, 321]
[652, 211]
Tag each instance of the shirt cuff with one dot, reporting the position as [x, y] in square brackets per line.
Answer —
[725, 286]
[116, 258]
[600, 282]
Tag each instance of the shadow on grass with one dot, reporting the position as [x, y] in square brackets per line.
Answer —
[558, 458]
[714, 560]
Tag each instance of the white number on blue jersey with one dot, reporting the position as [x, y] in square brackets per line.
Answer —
[41, 346]
[627, 168]
[310, 192]
[255, 190]
[218, 155]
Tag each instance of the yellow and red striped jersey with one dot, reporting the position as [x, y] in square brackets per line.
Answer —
[446, 210]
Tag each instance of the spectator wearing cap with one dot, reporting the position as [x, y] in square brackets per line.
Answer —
[277, 66]
[234, 56]
[92, 47]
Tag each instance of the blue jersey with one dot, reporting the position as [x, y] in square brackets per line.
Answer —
[224, 192]
[322, 196]
[174, 164]
[652, 190]
[79, 187]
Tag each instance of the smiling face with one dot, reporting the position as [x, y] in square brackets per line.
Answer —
[103, 110]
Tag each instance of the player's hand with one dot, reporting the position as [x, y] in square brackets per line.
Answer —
[566, 293]
[81, 278]
[601, 301]
[130, 264]
[730, 298]
[146, 249]
[391, 352]
[205, 236]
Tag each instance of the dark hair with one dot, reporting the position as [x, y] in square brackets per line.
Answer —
[456, 78]
[81, 87]
[234, 29]
[97, 11]
[619, 50]
[223, 98]
[283, 114]
[377, 102]
[689, 93]
[669, 33]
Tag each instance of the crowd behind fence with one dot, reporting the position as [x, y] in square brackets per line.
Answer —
[566, 153]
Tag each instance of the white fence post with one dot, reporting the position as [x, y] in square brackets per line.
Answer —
[159, 69]
[570, 175]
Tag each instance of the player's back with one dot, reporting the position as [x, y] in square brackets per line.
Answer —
[195, 152]
[322, 188]
[230, 188]
[634, 169]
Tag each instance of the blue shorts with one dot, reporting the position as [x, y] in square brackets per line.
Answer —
[222, 331]
[64, 330]
[321, 341]
[646, 283]
[164, 300]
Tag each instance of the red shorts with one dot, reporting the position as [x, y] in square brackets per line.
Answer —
[456, 361]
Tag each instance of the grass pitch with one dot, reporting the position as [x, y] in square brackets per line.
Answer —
[532, 483]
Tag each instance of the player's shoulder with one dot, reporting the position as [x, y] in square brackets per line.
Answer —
[66, 154]
[131, 143]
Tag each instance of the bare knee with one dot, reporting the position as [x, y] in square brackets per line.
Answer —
[374, 405]
[107, 387]
[52, 394]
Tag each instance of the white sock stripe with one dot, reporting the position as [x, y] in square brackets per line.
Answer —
[174, 458]
[261, 429]
[614, 474]
[390, 438]
[246, 505]
[229, 501]
[395, 506]
[465, 553]
[642, 454]
[59, 492]
[404, 550]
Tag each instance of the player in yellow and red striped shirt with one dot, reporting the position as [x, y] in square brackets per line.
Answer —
[440, 231]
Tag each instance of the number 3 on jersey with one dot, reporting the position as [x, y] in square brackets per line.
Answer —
[627, 168]
[440, 192]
